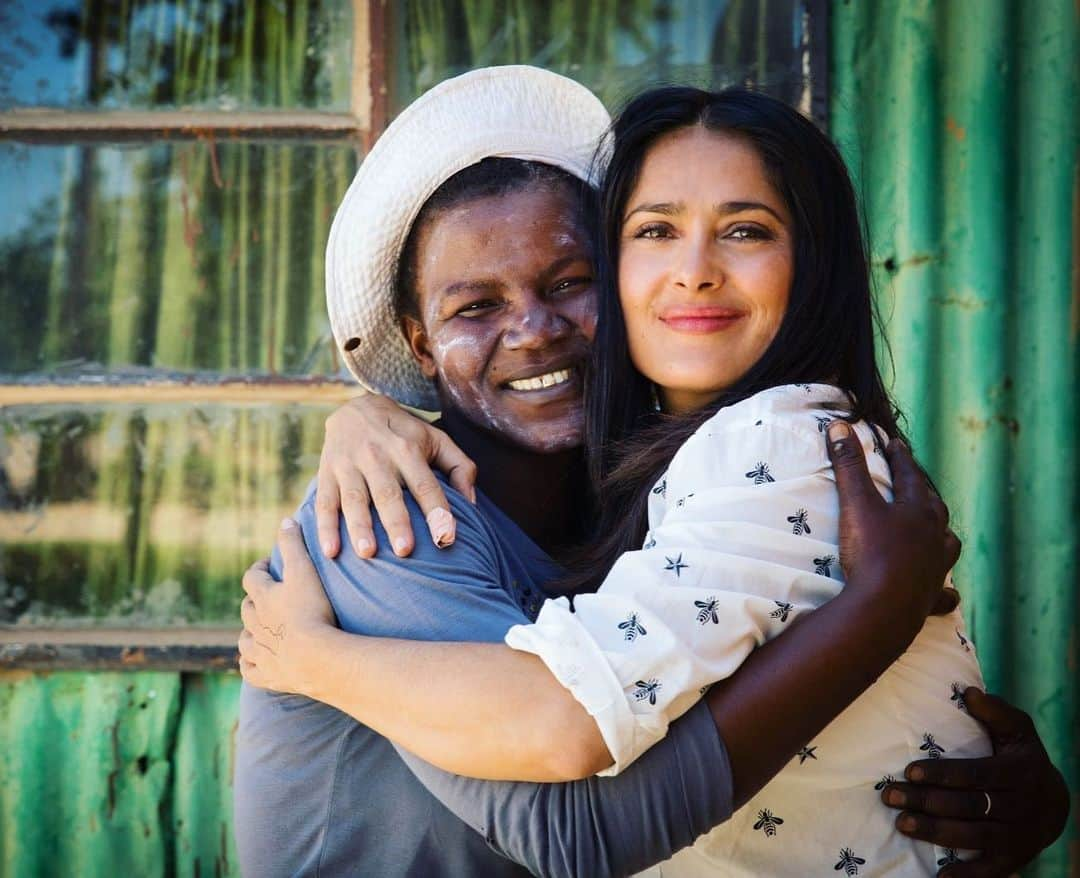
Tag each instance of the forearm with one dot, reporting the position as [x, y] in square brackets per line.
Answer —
[605, 826]
[790, 688]
[477, 709]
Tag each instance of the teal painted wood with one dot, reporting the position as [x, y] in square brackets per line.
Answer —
[960, 122]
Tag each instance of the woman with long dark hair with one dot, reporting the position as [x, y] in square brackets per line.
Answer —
[735, 324]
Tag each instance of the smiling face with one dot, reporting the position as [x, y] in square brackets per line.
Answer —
[706, 265]
[507, 311]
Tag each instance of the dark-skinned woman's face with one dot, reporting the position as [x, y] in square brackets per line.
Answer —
[507, 312]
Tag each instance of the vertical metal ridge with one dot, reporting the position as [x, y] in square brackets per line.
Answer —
[960, 121]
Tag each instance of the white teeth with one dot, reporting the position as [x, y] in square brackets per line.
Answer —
[541, 381]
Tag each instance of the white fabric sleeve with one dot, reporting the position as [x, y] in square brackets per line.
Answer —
[743, 539]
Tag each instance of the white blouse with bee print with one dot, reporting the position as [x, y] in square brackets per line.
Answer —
[743, 532]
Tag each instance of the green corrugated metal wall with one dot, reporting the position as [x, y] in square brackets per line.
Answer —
[960, 121]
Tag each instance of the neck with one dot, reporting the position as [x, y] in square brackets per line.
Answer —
[543, 494]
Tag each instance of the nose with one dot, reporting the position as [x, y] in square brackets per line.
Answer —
[537, 324]
[697, 267]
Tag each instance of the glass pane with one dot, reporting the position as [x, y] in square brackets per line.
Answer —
[145, 516]
[616, 47]
[141, 54]
[196, 255]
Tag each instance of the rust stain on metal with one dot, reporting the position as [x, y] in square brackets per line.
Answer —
[215, 168]
[955, 129]
[973, 424]
[133, 655]
[111, 779]
[955, 300]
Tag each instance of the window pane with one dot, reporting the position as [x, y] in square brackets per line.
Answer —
[216, 54]
[616, 47]
[195, 255]
[144, 515]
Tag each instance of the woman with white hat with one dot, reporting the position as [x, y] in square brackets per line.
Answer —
[509, 400]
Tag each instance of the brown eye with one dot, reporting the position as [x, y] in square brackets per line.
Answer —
[653, 231]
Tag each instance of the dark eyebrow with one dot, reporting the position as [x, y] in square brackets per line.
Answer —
[469, 287]
[739, 206]
[671, 208]
[565, 262]
[665, 208]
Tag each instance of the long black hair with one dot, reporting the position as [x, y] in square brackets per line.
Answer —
[826, 335]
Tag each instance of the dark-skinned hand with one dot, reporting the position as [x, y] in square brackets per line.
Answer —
[945, 801]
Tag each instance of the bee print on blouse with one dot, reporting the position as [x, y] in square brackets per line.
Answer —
[931, 747]
[949, 858]
[760, 474]
[799, 523]
[849, 862]
[706, 611]
[823, 566]
[886, 779]
[781, 611]
[767, 822]
[647, 689]
[632, 628]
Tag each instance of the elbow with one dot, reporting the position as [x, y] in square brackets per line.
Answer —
[575, 749]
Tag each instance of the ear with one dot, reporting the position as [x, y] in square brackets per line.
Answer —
[419, 344]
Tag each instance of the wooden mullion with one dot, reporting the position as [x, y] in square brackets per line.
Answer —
[59, 126]
[258, 389]
[370, 89]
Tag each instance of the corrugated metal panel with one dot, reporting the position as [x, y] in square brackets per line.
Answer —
[117, 774]
[960, 120]
[85, 772]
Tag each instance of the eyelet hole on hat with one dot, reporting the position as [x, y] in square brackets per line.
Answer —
[352, 344]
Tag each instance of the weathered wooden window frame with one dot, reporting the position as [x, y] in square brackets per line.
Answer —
[214, 648]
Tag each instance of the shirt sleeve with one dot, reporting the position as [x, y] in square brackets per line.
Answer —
[743, 539]
[587, 827]
[600, 826]
[451, 594]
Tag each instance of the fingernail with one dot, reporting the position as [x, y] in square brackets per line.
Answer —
[363, 547]
[327, 547]
[441, 524]
[401, 545]
[906, 823]
[839, 430]
[287, 524]
[895, 797]
[916, 773]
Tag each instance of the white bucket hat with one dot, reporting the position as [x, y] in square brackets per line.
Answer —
[513, 112]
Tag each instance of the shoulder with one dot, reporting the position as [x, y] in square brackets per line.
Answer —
[795, 408]
[778, 429]
[475, 531]
[424, 595]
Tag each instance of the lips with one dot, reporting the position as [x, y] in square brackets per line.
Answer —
[701, 319]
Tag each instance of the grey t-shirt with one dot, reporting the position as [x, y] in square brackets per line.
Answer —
[317, 793]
